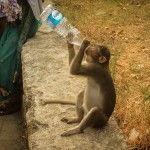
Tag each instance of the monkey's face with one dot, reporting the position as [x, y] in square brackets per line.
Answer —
[91, 54]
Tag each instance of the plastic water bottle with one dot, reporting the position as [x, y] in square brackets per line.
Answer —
[61, 25]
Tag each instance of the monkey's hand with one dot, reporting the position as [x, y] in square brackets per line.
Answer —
[85, 44]
[69, 39]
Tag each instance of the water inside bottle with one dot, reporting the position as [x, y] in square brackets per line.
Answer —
[78, 39]
[75, 36]
[61, 25]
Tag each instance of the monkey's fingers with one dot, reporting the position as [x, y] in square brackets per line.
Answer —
[72, 131]
[86, 42]
[70, 120]
[64, 119]
[65, 134]
[69, 39]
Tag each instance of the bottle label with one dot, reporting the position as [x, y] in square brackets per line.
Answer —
[54, 19]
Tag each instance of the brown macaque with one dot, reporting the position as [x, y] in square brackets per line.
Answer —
[96, 103]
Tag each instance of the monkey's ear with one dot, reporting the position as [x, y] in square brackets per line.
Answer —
[102, 59]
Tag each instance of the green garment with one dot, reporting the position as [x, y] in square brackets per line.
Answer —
[11, 42]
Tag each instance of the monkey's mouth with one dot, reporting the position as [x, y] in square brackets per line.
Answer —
[88, 50]
[88, 59]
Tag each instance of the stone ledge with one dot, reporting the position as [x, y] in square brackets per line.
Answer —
[45, 77]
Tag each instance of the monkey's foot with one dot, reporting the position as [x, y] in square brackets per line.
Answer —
[72, 131]
[70, 120]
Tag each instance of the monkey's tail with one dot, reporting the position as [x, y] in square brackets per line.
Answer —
[63, 102]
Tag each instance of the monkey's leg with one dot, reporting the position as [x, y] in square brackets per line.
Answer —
[101, 119]
[86, 121]
[79, 110]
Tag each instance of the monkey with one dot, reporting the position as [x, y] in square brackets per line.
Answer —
[96, 103]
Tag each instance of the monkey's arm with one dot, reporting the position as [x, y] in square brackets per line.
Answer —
[76, 63]
[71, 52]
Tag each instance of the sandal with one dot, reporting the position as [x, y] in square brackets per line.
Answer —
[9, 106]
